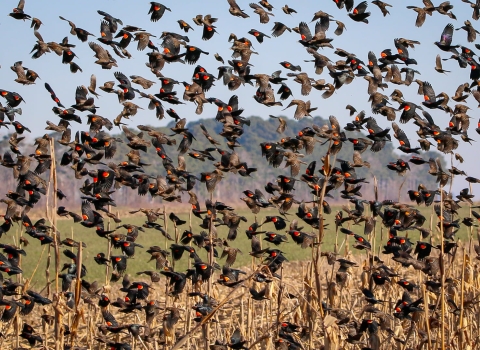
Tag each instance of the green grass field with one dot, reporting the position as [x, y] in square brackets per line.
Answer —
[151, 237]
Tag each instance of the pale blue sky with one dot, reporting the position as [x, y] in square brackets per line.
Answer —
[18, 40]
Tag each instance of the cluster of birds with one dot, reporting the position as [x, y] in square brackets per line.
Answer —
[89, 152]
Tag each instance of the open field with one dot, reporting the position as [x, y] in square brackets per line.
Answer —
[292, 298]
[150, 237]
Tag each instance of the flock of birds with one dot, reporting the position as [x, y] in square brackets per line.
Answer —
[88, 152]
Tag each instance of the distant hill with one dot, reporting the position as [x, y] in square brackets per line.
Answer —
[231, 187]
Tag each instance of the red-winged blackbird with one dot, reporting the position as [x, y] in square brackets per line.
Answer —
[128, 248]
[423, 249]
[204, 270]
[358, 238]
[119, 263]
[407, 285]
[13, 98]
[278, 221]
[142, 289]
[38, 298]
[178, 250]
[29, 304]
[405, 306]
[275, 238]
[103, 301]
[286, 183]
[10, 309]
[100, 259]
[379, 279]
[156, 11]
[177, 279]
[302, 238]
[370, 325]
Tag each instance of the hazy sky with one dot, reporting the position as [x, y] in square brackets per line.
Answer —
[359, 38]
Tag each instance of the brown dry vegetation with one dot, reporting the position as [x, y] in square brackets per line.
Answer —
[294, 297]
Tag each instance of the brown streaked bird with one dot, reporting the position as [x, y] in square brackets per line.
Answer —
[143, 39]
[340, 28]
[320, 61]
[304, 80]
[351, 109]
[438, 65]
[303, 108]
[267, 98]
[198, 20]
[170, 320]
[235, 9]
[211, 179]
[459, 158]
[207, 135]
[320, 15]
[420, 86]
[374, 84]
[136, 142]
[382, 6]
[144, 83]
[471, 32]
[93, 85]
[288, 10]
[459, 96]
[251, 204]
[293, 162]
[219, 58]
[476, 96]
[264, 15]
[40, 47]
[279, 28]
[208, 20]
[108, 86]
[328, 88]
[104, 58]
[445, 8]
[393, 76]
[476, 8]
[283, 124]
[422, 12]
[262, 81]
[154, 275]
[21, 74]
[230, 253]
[358, 161]
[152, 214]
